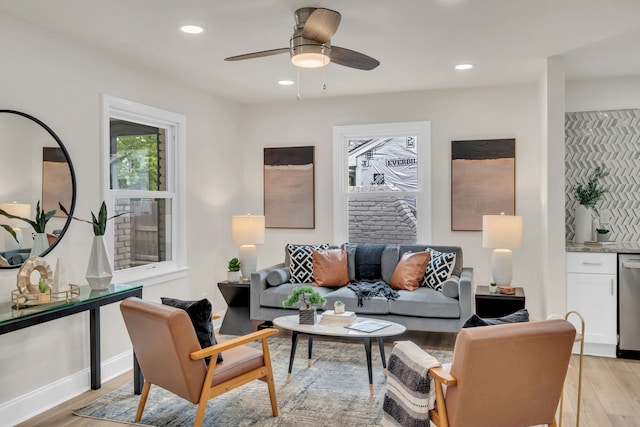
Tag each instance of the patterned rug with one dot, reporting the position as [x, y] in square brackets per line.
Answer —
[333, 392]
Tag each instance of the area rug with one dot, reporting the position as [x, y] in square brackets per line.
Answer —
[333, 392]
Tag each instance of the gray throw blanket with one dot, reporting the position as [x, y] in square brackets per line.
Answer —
[410, 389]
[368, 290]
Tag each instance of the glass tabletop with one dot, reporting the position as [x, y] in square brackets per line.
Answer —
[9, 312]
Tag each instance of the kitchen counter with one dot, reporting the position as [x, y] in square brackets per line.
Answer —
[610, 247]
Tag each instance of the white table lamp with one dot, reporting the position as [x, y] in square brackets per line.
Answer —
[247, 231]
[23, 210]
[502, 233]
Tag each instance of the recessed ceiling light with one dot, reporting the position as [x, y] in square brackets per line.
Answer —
[191, 29]
[463, 66]
[285, 82]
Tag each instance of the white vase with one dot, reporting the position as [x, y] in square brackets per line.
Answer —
[40, 244]
[99, 271]
[582, 224]
[233, 276]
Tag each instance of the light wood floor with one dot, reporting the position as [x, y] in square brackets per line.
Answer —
[610, 392]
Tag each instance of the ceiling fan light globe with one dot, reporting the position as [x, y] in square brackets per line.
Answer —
[310, 60]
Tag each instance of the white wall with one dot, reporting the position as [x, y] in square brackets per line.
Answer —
[603, 94]
[60, 83]
[496, 112]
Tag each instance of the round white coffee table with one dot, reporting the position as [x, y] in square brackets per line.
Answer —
[292, 324]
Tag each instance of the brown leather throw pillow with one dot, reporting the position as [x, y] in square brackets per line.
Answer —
[330, 267]
[410, 270]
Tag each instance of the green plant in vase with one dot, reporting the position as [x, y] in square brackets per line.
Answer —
[309, 299]
[233, 270]
[589, 195]
[39, 224]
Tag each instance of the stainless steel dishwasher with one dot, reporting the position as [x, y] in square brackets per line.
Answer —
[628, 301]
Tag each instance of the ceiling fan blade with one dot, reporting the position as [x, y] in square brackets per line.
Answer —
[321, 25]
[353, 59]
[258, 54]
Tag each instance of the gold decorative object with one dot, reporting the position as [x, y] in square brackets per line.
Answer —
[24, 275]
[20, 300]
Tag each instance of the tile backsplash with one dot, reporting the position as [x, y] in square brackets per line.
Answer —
[610, 138]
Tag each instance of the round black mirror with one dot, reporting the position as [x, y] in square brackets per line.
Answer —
[35, 171]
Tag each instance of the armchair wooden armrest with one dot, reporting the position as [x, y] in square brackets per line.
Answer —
[215, 349]
[443, 376]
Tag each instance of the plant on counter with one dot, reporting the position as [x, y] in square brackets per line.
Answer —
[42, 286]
[40, 223]
[309, 297]
[602, 230]
[100, 222]
[591, 194]
[233, 265]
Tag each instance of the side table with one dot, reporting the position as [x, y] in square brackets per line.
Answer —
[498, 305]
[237, 295]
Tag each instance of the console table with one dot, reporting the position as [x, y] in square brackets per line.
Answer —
[12, 319]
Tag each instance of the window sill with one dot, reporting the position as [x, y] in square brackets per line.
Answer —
[150, 277]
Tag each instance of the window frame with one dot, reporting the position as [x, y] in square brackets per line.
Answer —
[341, 195]
[162, 271]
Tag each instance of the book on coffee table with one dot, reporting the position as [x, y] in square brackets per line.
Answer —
[368, 325]
[330, 318]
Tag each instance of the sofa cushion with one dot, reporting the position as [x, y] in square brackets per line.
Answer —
[410, 270]
[369, 261]
[425, 302]
[278, 276]
[457, 269]
[375, 305]
[451, 287]
[390, 256]
[330, 267]
[439, 270]
[273, 296]
[301, 262]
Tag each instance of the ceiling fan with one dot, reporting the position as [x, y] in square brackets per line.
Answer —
[310, 45]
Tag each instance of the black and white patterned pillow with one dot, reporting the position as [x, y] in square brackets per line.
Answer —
[301, 262]
[439, 269]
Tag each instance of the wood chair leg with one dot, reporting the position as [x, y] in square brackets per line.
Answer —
[143, 400]
[270, 381]
[202, 406]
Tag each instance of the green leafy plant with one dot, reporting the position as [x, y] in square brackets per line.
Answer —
[338, 302]
[591, 194]
[42, 286]
[10, 231]
[100, 222]
[234, 264]
[602, 230]
[308, 295]
[40, 223]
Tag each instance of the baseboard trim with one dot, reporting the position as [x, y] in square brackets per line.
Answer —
[37, 401]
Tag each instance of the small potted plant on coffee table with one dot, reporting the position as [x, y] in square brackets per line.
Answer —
[338, 307]
[233, 270]
[310, 298]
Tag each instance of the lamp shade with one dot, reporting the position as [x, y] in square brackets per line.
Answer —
[23, 210]
[501, 231]
[247, 229]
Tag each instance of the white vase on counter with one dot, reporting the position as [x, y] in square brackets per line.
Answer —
[583, 224]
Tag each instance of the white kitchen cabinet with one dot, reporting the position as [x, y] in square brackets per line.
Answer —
[592, 291]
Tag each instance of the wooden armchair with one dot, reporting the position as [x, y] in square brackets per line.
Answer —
[170, 356]
[504, 375]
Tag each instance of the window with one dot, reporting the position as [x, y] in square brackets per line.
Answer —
[144, 175]
[382, 186]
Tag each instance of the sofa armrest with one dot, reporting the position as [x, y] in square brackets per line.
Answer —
[466, 294]
[258, 285]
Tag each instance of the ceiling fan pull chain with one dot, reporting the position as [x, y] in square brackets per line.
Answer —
[298, 85]
[324, 78]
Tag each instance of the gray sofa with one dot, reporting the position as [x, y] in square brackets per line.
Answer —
[424, 309]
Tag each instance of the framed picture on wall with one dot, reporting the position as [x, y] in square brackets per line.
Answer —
[483, 181]
[289, 187]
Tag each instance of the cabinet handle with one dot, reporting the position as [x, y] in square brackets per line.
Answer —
[591, 263]
[611, 287]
